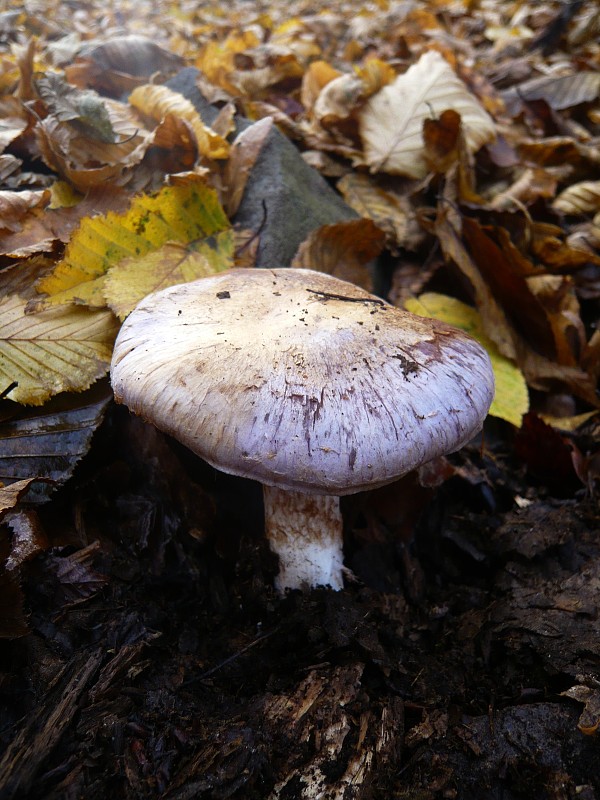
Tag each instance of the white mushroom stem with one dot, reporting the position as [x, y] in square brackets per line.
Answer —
[305, 531]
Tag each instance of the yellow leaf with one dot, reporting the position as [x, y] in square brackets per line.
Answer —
[56, 350]
[158, 101]
[511, 400]
[134, 278]
[184, 212]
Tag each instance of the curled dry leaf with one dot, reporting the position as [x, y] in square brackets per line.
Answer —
[42, 229]
[11, 494]
[158, 101]
[70, 153]
[579, 199]
[343, 249]
[85, 108]
[540, 371]
[589, 696]
[559, 92]
[15, 205]
[316, 76]
[27, 540]
[441, 140]
[122, 62]
[244, 153]
[531, 184]
[389, 210]
[391, 122]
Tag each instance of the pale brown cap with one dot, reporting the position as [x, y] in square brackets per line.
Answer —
[300, 380]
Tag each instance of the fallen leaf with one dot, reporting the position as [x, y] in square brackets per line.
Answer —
[27, 540]
[181, 213]
[511, 399]
[15, 205]
[10, 495]
[245, 150]
[132, 279]
[579, 199]
[560, 92]
[316, 76]
[40, 447]
[391, 122]
[504, 279]
[55, 350]
[343, 249]
[441, 140]
[390, 210]
[85, 108]
[158, 101]
[118, 65]
[589, 696]
[43, 229]
[547, 455]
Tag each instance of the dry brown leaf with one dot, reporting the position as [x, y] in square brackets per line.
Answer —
[43, 228]
[10, 495]
[560, 92]
[120, 64]
[14, 206]
[557, 295]
[158, 101]
[87, 163]
[342, 249]
[390, 211]
[530, 185]
[245, 150]
[548, 245]
[441, 141]
[579, 199]
[540, 371]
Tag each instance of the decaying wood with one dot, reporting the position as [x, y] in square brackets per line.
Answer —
[40, 734]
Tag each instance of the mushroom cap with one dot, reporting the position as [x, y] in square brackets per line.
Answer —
[300, 380]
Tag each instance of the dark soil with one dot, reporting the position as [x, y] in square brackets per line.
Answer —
[462, 661]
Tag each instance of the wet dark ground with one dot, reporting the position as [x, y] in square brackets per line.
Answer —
[462, 661]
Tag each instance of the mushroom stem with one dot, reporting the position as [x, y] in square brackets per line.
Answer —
[305, 531]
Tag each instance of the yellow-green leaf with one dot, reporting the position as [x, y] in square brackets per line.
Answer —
[55, 350]
[512, 399]
[133, 278]
[183, 212]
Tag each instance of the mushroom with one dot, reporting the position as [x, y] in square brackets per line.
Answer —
[306, 383]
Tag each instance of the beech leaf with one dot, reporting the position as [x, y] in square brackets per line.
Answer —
[133, 278]
[391, 122]
[579, 199]
[44, 445]
[184, 212]
[55, 350]
[158, 101]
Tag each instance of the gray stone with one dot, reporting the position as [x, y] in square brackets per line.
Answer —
[285, 198]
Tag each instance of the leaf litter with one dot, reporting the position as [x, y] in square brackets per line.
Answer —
[144, 647]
